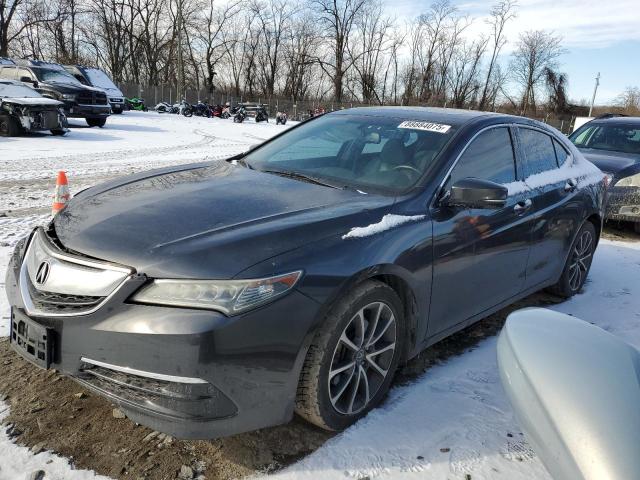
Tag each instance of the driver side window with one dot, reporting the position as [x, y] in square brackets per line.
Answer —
[489, 157]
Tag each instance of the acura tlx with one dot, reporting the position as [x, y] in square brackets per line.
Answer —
[220, 297]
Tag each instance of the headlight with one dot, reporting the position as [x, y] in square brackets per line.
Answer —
[227, 296]
[632, 181]
[68, 96]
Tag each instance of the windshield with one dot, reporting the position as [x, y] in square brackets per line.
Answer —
[51, 75]
[617, 138]
[10, 90]
[356, 151]
[99, 79]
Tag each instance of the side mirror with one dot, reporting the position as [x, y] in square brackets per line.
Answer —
[476, 193]
[27, 80]
[575, 391]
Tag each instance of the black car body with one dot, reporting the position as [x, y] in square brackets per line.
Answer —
[22, 109]
[97, 78]
[197, 297]
[79, 101]
[612, 143]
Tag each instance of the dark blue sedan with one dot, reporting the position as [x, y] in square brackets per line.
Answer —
[221, 297]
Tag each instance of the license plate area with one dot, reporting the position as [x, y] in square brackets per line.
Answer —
[32, 340]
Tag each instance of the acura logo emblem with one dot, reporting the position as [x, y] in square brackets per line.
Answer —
[43, 272]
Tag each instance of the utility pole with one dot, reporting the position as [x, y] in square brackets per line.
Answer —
[180, 64]
[595, 90]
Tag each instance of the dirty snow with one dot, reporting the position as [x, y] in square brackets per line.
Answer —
[451, 422]
[387, 222]
[584, 172]
[18, 463]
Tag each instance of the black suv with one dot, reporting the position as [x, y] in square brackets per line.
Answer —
[79, 100]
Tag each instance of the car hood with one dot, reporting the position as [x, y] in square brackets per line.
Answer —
[207, 221]
[31, 101]
[112, 92]
[609, 161]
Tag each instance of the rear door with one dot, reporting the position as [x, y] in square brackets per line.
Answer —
[480, 255]
[555, 206]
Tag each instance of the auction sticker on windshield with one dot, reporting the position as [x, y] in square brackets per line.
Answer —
[428, 126]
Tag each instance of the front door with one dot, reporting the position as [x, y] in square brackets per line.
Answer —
[480, 255]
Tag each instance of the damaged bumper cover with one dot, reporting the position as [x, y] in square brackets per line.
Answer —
[623, 203]
[34, 116]
[186, 372]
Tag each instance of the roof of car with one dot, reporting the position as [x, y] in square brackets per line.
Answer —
[617, 120]
[451, 116]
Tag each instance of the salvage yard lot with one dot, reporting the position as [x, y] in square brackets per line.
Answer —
[446, 418]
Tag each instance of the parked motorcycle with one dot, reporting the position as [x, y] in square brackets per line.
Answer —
[281, 118]
[185, 108]
[201, 109]
[240, 115]
[135, 103]
[217, 111]
[166, 107]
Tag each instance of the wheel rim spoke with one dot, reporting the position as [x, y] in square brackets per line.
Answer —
[390, 322]
[354, 391]
[339, 370]
[345, 340]
[376, 367]
[374, 324]
[343, 387]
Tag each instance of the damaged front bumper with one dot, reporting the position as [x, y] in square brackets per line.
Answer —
[186, 372]
[623, 204]
[35, 118]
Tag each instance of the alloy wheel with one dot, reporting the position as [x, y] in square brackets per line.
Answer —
[362, 358]
[580, 260]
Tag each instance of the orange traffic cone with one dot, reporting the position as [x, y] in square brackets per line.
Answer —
[61, 195]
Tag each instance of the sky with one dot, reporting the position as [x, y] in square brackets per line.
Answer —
[599, 36]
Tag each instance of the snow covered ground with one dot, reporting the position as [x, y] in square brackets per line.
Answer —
[451, 422]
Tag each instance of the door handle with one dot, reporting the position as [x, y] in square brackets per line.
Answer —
[522, 206]
[570, 186]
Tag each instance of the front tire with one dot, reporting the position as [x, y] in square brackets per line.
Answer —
[353, 357]
[96, 122]
[9, 126]
[578, 262]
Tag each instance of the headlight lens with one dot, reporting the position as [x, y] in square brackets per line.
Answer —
[68, 96]
[227, 296]
[632, 181]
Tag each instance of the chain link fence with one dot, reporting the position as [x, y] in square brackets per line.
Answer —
[296, 110]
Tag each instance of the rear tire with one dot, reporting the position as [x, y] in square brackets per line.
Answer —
[9, 126]
[636, 227]
[352, 358]
[96, 122]
[578, 262]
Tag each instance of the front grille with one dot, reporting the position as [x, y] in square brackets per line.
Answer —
[55, 282]
[60, 302]
[92, 98]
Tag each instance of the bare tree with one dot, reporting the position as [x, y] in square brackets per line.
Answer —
[557, 86]
[629, 100]
[338, 17]
[214, 42]
[500, 14]
[535, 52]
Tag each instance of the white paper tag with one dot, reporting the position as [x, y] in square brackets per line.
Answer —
[428, 126]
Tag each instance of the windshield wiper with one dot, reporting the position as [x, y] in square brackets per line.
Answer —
[303, 177]
[240, 161]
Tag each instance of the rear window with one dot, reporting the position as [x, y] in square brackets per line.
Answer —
[561, 153]
[538, 150]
